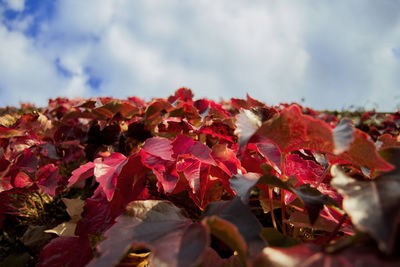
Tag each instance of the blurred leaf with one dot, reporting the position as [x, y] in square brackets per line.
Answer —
[247, 123]
[66, 251]
[47, 178]
[299, 219]
[313, 200]
[74, 210]
[276, 239]
[158, 225]
[239, 214]
[310, 255]
[35, 237]
[229, 234]
[243, 183]
[343, 135]
[373, 205]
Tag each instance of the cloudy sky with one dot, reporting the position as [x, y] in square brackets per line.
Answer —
[331, 54]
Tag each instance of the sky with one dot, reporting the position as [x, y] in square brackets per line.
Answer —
[324, 54]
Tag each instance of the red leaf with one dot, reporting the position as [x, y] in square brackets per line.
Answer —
[21, 180]
[47, 178]
[159, 147]
[164, 170]
[9, 132]
[226, 159]
[66, 251]
[82, 173]
[386, 141]
[183, 94]
[130, 184]
[306, 171]
[27, 161]
[183, 145]
[96, 217]
[362, 152]
[5, 184]
[271, 153]
[291, 130]
[107, 170]
[191, 170]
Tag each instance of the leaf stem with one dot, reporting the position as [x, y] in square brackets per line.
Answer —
[337, 228]
[283, 205]
[271, 206]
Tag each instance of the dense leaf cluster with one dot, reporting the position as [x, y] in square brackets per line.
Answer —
[185, 182]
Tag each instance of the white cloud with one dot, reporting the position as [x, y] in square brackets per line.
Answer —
[17, 5]
[332, 53]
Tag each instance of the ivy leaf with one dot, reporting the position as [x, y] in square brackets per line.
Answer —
[291, 130]
[191, 170]
[247, 123]
[10, 132]
[106, 172]
[312, 198]
[229, 234]
[184, 145]
[310, 255]
[158, 225]
[66, 251]
[239, 214]
[84, 172]
[164, 170]
[362, 152]
[74, 210]
[343, 135]
[47, 178]
[373, 205]
[243, 183]
[159, 147]
[276, 238]
[226, 159]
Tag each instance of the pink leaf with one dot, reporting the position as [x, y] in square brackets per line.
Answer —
[106, 172]
[183, 145]
[22, 179]
[191, 170]
[47, 178]
[159, 147]
[164, 170]
[82, 173]
[226, 159]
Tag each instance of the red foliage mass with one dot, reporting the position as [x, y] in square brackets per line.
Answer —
[117, 152]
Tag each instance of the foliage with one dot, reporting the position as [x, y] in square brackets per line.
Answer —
[180, 182]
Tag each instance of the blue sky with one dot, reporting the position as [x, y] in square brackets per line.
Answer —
[332, 54]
